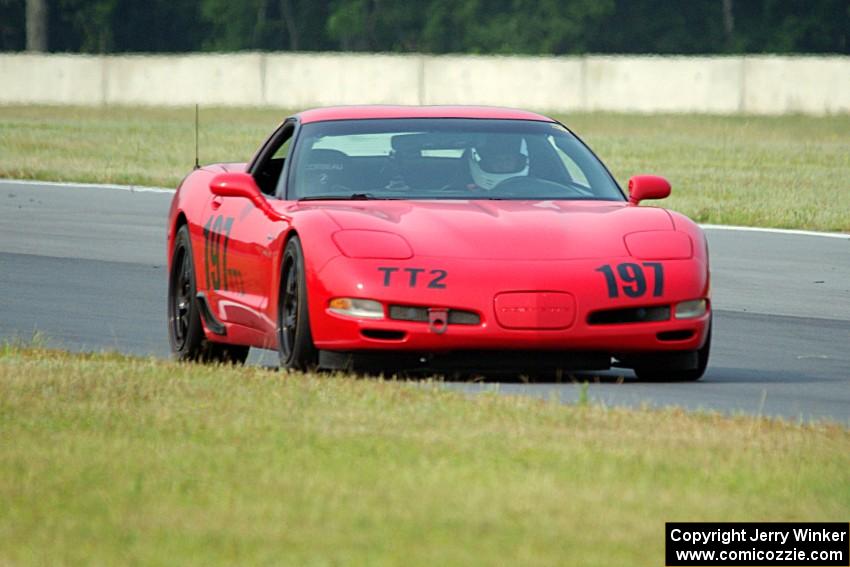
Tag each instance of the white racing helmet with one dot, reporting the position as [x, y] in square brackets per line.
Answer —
[498, 159]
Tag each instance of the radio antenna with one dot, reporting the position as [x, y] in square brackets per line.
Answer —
[197, 164]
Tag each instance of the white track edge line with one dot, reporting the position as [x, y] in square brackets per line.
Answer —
[114, 187]
[789, 231]
[145, 189]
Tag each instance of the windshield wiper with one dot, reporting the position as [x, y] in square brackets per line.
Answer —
[352, 197]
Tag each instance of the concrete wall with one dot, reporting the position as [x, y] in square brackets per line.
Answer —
[669, 84]
[54, 79]
[224, 79]
[727, 85]
[301, 80]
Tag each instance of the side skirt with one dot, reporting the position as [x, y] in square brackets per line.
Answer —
[212, 323]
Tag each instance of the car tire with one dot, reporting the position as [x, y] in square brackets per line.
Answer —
[665, 373]
[185, 331]
[295, 339]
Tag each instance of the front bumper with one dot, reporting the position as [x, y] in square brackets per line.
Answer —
[474, 285]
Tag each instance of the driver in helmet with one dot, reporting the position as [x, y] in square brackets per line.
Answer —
[497, 159]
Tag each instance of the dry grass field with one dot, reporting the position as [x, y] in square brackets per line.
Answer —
[106, 460]
[789, 172]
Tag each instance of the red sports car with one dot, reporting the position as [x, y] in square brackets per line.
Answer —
[437, 238]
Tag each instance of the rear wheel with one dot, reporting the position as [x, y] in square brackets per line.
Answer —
[661, 372]
[295, 341]
[185, 331]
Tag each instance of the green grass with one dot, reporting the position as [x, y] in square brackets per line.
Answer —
[789, 171]
[106, 460]
[783, 172]
[144, 146]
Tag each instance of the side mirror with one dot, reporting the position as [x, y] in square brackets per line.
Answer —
[647, 187]
[235, 185]
[243, 185]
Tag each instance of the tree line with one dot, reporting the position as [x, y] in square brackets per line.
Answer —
[553, 27]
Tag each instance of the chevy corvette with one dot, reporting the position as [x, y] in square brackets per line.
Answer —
[441, 238]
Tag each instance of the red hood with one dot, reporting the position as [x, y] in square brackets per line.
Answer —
[502, 230]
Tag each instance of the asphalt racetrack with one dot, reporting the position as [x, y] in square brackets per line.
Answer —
[85, 267]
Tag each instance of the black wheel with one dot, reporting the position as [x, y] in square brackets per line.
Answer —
[666, 373]
[295, 341]
[185, 332]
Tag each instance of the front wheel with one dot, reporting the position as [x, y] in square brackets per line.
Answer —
[185, 331]
[661, 373]
[295, 340]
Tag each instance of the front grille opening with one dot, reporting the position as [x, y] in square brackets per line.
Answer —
[383, 334]
[675, 335]
[409, 313]
[458, 317]
[629, 315]
[420, 314]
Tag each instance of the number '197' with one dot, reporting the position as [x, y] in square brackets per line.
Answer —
[216, 238]
[630, 279]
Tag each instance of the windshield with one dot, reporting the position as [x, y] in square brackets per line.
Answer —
[445, 159]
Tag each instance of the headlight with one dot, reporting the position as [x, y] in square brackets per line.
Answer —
[690, 309]
[363, 308]
[375, 244]
[659, 245]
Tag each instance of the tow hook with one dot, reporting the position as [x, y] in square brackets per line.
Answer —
[438, 320]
